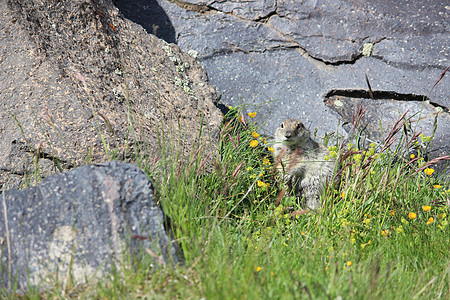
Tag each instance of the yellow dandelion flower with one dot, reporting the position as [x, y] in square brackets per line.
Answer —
[230, 107]
[426, 208]
[412, 156]
[412, 215]
[430, 220]
[271, 149]
[255, 135]
[253, 143]
[262, 184]
[384, 232]
[342, 195]
[266, 161]
[429, 171]
[437, 186]
[258, 269]
[252, 114]
[349, 263]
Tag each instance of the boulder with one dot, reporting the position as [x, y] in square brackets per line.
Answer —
[294, 54]
[77, 225]
[82, 84]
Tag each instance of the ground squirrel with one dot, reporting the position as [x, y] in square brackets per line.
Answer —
[302, 161]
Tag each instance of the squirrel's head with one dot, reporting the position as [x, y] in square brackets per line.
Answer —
[293, 129]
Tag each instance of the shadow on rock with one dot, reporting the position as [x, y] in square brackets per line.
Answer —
[149, 15]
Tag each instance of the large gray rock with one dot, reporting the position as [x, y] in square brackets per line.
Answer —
[296, 52]
[81, 223]
[80, 83]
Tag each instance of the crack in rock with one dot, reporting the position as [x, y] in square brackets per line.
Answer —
[382, 95]
[202, 9]
[351, 57]
[264, 21]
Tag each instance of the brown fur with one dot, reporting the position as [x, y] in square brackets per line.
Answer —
[301, 160]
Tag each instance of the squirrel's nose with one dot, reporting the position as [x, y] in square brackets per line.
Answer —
[288, 134]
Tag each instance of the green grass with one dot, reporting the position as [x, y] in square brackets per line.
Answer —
[363, 243]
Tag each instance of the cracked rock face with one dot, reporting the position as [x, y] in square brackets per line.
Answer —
[295, 52]
[78, 81]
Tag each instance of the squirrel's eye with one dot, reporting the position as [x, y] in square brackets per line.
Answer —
[282, 125]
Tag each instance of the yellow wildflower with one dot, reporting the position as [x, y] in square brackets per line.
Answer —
[357, 157]
[430, 220]
[253, 143]
[399, 229]
[429, 171]
[392, 213]
[262, 184]
[364, 245]
[230, 107]
[349, 263]
[412, 215]
[384, 232]
[412, 156]
[255, 135]
[271, 149]
[252, 114]
[437, 186]
[426, 208]
[258, 269]
[266, 161]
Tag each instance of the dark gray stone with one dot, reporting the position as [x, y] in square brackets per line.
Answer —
[295, 52]
[81, 222]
